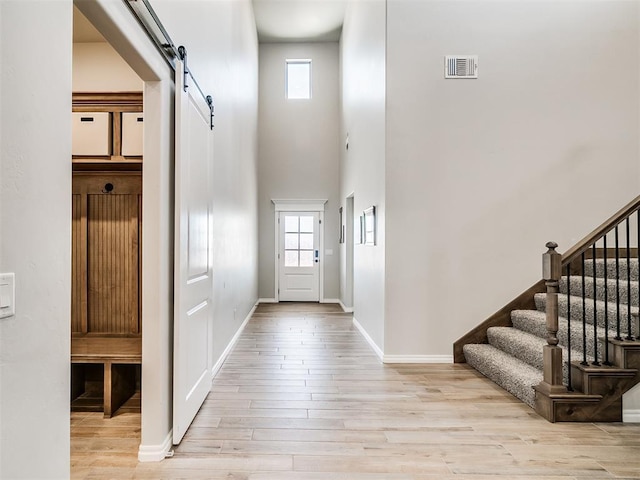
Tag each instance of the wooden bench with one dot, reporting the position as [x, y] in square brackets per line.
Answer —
[119, 357]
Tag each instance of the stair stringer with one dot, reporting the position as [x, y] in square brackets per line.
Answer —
[598, 390]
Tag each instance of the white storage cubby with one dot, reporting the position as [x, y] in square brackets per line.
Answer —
[90, 133]
[132, 128]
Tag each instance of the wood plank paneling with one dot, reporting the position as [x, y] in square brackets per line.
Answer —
[106, 259]
[112, 230]
[79, 264]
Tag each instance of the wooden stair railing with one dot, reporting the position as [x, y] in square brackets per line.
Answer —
[552, 381]
[524, 301]
[594, 389]
[585, 244]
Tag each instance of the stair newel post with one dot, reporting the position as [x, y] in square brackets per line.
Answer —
[552, 356]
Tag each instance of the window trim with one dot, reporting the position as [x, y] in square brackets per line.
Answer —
[297, 61]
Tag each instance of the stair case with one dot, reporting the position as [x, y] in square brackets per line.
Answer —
[570, 352]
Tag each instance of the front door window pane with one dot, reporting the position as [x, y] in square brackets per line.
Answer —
[306, 241]
[291, 258]
[291, 223]
[306, 224]
[299, 241]
[306, 258]
[291, 241]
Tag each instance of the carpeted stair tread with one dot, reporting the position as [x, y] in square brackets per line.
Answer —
[535, 323]
[513, 358]
[614, 288]
[524, 345]
[598, 313]
[611, 268]
[531, 321]
[510, 373]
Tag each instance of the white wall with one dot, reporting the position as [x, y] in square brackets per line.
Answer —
[97, 67]
[222, 48]
[299, 154]
[481, 173]
[35, 240]
[362, 60]
[222, 53]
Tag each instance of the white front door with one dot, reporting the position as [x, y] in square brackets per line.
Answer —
[193, 284]
[299, 256]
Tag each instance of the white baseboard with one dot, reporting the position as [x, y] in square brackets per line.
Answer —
[155, 453]
[330, 300]
[417, 358]
[232, 343]
[267, 300]
[345, 309]
[369, 340]
[631, 416]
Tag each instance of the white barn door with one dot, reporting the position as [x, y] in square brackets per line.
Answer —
[193, 285]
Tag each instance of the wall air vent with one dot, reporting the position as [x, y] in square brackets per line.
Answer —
[461, 66]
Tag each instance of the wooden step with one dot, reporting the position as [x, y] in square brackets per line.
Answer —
[567, 407]
[626, 353]
[601, 380]
[597, 389]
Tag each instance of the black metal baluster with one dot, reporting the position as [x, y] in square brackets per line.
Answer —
[618, 337]
[629, 336]
[569, 387]
[606, 305]
[584, 317]
[595, 311]
[638, 256]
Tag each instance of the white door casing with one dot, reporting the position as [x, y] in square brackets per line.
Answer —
[299, 264]
[193, 283]
[299, 256]
[349, 250]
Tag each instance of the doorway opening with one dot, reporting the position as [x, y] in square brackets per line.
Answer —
[349, 251]
[106, 324]
[299, 259]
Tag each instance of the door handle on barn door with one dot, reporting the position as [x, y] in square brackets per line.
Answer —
[108, 188]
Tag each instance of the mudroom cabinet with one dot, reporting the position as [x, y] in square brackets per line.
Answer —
[106, 342]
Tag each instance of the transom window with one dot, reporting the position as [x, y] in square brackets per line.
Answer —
[298, 79]
[298, 241]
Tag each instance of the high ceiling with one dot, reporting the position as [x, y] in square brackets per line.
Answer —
[299, 20]
[276, 20]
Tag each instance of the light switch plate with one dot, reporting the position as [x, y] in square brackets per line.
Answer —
[7, 295]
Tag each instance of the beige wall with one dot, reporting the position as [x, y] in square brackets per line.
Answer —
[97, 67]
[362, 59]
[222, 53]
[35, 237]
[299, 157]
[481, 173]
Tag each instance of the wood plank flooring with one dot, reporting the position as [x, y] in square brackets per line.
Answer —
[303, 397]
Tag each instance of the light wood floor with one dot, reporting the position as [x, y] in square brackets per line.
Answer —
[302, 397]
